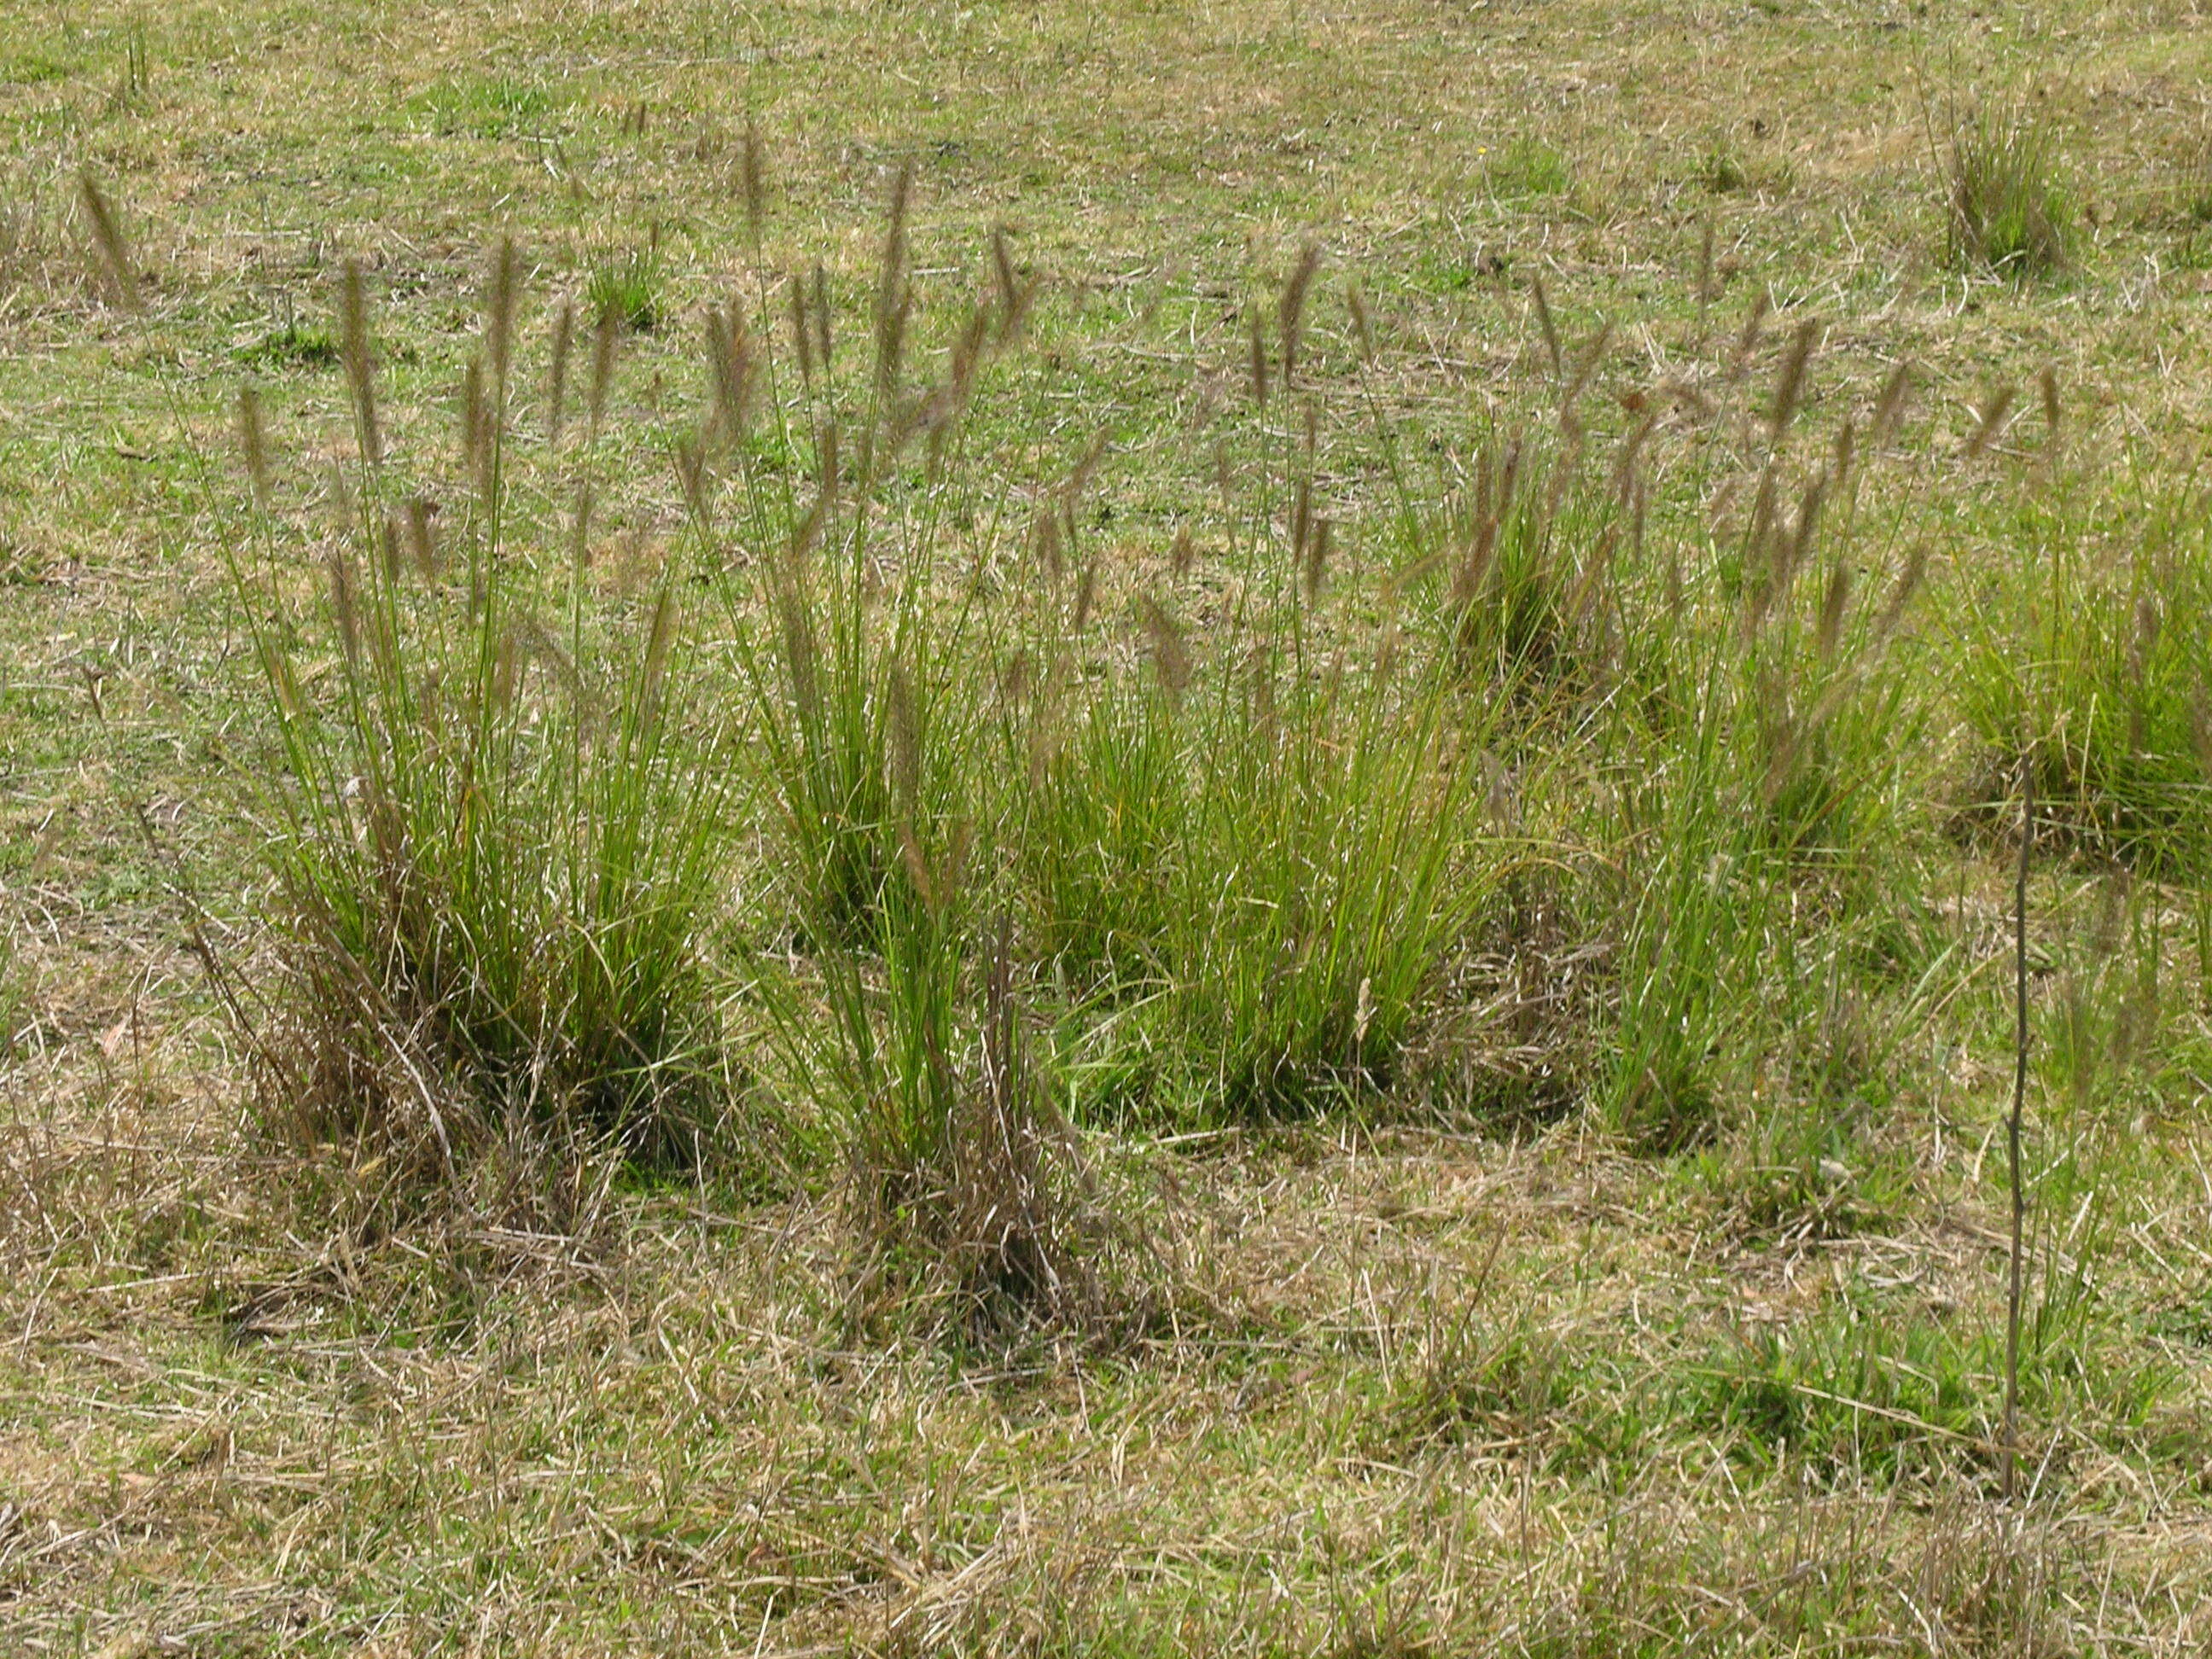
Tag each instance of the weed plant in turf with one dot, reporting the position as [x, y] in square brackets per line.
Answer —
[1251, 854]
[2007, 207]
[498, 819]
[2081, 655]
[1252, 874]
[293, 345]
[1526, 168]
[851, 591]
[627, 287]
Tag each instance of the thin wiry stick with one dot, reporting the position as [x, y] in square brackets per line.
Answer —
[2012, 1123]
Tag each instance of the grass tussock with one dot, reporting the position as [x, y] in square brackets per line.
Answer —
[498, 821]
[1262, 873]
[858, 638]
[1038, 853]
[2072, 663]
[628, 286]
[2007, 207]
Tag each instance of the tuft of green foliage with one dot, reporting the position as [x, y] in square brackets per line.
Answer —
[2007, 207]
[1852, 1396]
[1721, 170]
[497, 827]
[1526, 168]
[488, 107]
[2080, 656]
[1261, 871]
[295, 346]
[627, 287]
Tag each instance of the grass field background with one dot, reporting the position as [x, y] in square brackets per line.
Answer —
[1514, 1339]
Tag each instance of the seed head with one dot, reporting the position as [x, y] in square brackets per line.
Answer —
[894, 292]
[1889, 407]
[1550, 329]
[605, 334]
[343, 602]
[753, 168]
[1990, 424]
[821, 319]
[827, 465]
[504, 292]
[905, 745]
[253, 440]
[1908, 584]
[691, 474]
[359, 366]
[1316, 561]
[556, 391]
[107, 239]
[1363, 328]
[733, 359]
[1290, 308]
[1754, 327]
[1833, 606]
[422, 538]
[1790, 389]
[1086, 589]
[1808, 517]
[1171, 655]
[801, 334]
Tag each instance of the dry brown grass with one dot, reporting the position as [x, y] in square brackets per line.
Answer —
[679, 1446]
